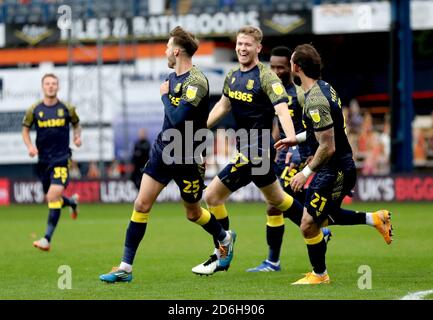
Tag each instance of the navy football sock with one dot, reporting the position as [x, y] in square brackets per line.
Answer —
[134, 235]
[53, 219]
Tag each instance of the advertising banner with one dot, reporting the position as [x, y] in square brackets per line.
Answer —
[219, 24]
[394, 188]
[4, 192]
[399, 188]
[109, 191]
[367, 17]
[31, 34]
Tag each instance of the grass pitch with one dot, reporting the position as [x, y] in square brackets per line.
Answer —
[172, 245]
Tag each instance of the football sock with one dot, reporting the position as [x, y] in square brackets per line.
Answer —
[348, 217]
[316, 247]
[274, 236]
[369, 219]
[220, 213]
[211, 225]
[321, 274]
[292, 209]
[67, 202]
[53, 218]
[125, 266]
[134, 235]
[276, 264]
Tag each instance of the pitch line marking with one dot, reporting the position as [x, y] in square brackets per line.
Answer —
[419, 295]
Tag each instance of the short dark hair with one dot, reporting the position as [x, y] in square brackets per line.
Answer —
[184, 39]
[307, 57]
[281, 51]
[49, 75]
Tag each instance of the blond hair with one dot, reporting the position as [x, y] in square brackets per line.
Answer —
[252, 31]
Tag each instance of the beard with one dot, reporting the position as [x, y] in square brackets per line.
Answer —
[171, 62]
[51, 95]
[297, 80]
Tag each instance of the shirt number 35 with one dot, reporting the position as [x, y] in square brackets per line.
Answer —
[61, 173]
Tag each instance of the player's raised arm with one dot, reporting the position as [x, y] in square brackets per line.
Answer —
[221, 108]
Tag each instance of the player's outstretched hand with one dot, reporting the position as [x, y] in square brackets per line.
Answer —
[33, 151]
[284, 144]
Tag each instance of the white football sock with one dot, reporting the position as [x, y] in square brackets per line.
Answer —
[125, 266]
[369, 219]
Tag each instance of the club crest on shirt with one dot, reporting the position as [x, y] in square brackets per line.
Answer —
[315, 115]
[277, 88]
[60, 113]
[191, 92]
[41, 114]
[250, 84]
[177, 87]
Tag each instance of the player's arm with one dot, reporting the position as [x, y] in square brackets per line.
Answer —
[193, 93]
[76, 129]
[32, 150]
[276, 93]
[323, 153]
[323, 126]
[283, 114]
[27, 124]
[285, 143]
[179, 114]
[219, 111]
[325, 150]
[75, 121]
[223, 106]
[275, 129]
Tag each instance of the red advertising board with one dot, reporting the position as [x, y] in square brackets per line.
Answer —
[4, 192]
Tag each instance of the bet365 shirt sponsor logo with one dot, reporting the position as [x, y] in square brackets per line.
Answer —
[239, 95]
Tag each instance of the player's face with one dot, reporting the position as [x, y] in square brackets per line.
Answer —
[281, 66]
[50, 87]
[171, 58]
[247, 49]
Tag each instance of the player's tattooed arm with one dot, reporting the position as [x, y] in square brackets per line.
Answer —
[325, 150]
[323, 153]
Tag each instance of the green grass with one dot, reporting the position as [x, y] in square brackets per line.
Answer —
[172, 245]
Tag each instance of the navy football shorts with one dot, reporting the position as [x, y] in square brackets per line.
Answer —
[327, 191]
[188, 177]
[53, 174]
[239, 172]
